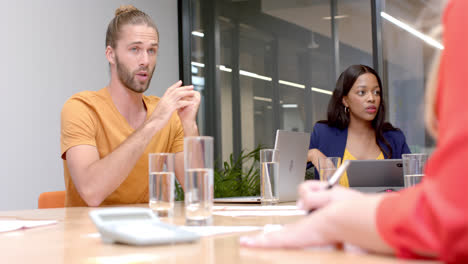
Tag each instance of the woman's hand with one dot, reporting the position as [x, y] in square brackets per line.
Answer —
[309, 231]
[316, 229]
[314, 194]
[313, 156]
[352, 221]
[313, 230]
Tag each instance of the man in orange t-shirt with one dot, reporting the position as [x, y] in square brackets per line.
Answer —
[106, 135]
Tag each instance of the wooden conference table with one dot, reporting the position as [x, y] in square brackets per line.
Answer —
[74, 240]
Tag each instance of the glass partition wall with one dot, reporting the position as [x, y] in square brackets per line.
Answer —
[408, 51]
[263, 65]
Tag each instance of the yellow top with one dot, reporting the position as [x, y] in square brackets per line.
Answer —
[348, 156]
[91, 118]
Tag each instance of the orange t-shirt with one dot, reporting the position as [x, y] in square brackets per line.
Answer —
[91, 118]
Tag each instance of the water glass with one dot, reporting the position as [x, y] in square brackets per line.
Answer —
[269, 177]
[413, 168]
[328, 166]
[198, 162]
[161, 183]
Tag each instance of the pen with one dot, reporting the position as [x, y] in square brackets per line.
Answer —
[334, 179]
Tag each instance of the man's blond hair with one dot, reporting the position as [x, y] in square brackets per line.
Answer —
[125, 15]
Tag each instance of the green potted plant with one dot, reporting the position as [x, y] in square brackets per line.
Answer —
[236, 177]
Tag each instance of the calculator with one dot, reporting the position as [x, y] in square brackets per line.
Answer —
[137, 226]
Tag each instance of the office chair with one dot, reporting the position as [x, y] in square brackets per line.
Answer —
[51, 200]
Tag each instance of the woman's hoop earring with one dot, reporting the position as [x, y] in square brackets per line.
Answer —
[346, 109]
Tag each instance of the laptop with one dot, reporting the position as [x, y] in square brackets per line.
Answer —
[376, 175]
[293, 147]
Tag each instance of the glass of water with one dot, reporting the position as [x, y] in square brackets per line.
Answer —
[161, 183]
[198, 162]
[413, 168]
[328, 166]
[269, 176]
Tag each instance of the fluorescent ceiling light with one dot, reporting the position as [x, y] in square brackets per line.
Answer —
[413, 31]
[264, 99]
[198, 64]
[289, 105]
[292, 84]
[198, 81]
[318, 90]
[223, 68]
[266, 78]
[254, 75]
[198, 34]
[336, 17]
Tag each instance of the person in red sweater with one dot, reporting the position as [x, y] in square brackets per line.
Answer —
[429, 220]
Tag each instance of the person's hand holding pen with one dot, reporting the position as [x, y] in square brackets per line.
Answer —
[317, 194]
[315, 229]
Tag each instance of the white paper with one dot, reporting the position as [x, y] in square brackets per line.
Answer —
[219, 230]
[11, 225]
[254, 208]
[260, 213]
[271, 228]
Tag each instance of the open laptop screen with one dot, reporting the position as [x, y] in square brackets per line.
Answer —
[293, 147]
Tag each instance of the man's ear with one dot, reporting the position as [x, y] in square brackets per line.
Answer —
[110, 54]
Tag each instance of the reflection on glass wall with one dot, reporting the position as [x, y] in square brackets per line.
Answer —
[407, 60]
[354, 19]
[275, 64]
[226, 28]
[197, 60]
[256, 86]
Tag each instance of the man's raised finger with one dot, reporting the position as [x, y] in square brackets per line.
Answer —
[175, 85]
[183, 103]
[184, 95]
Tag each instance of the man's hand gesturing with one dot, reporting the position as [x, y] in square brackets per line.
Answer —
[176, 97]
[188, 113]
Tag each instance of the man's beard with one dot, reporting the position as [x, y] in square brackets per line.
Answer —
[128, 78]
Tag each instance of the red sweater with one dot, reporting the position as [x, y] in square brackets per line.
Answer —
[433, 216]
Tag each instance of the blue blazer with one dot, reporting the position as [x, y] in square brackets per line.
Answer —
[331, 141]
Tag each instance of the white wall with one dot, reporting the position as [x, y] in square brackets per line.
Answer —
[49, 50]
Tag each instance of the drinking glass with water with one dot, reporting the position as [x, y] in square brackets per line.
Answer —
[198, 161]
[161, 183]
[328, 166]
[269, 176]
[413, 168]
